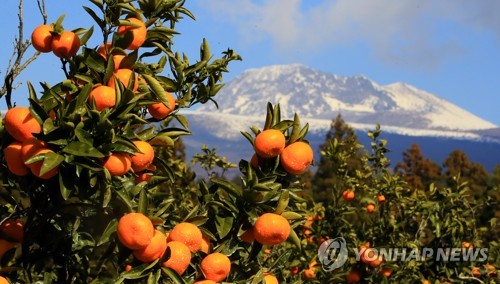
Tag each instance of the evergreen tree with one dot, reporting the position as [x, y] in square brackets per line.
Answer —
[460, 169]
[332, 172]
[417, 171]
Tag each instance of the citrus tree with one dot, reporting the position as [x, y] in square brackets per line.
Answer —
[374, 209]
[93, 190]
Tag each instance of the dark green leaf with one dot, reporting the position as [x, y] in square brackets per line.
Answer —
[82, 150]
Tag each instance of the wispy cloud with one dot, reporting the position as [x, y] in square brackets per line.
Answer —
[397, 32]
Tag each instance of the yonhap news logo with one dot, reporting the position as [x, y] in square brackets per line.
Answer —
[333, 254]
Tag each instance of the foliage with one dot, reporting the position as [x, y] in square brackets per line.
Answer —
[70, 220]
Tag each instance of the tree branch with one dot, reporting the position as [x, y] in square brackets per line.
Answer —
[16, 64]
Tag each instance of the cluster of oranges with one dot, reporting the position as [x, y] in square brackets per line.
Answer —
[21, 125]
[20, 155]
[11, 234]
[295, 158]
[136, 232]
[64, 44]
[349, 195]
[120, 163]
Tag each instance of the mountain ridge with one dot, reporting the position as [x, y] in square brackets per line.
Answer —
[320, 95]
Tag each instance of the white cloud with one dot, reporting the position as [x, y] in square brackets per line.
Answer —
[397, 32]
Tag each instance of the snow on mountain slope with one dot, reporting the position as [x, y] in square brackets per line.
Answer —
[321, 96]
[228, 126]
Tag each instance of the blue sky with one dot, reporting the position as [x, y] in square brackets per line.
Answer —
[449, 48]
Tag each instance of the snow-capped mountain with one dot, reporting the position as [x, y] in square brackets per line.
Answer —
[407, 115]
[318, 96]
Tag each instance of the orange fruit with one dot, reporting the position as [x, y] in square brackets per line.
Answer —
[41, 38]
[476, 271]
[380, 198]
[370, 208]
[118, 164]
[353, 277]
[144, 158]
[180, 257]
[205, 244]
[254, 161]
[348, 195]
[14, 229]
[248, 236]
[467, 245]
[490, 269]
[104, 97]
[310, 273]
[128, 267]
[377, 261]
[36, 167]
[270, 279]
[364, 246]
[135, 230]
[296, 157]
[124, 76]
[216, 266]
[188, 234]
[367, 255]
[205, 282]
[137, 35]
[66, 44]
[117, 60]
[160, 110]
[5, 246]
[425, 282]
[20, 124]
[386, 272]
[271, 229]
[4, 280]
[144, 176]
[104, 49]
[14, 159]
[269, 143]
[154, 250]
[31, 146]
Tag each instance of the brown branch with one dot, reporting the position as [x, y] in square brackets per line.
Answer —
[16, 64]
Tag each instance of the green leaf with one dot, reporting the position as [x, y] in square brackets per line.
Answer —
[295, 130]
[282, 202]
[290, 215]
[82, 150]
[143, 202]
[248, 136]
[230, 187]
[138, 272]
[282, 125]
[86, 36]
[65, 191]
[110, 229]
[304, 131]
[107, 195]
[51, 161]
[156, 88]
[295, 239]
[162, 139]
[223, 225]
[269, 116]
[123, 195]
[96, 18]
[172, 275]
[183, 121]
